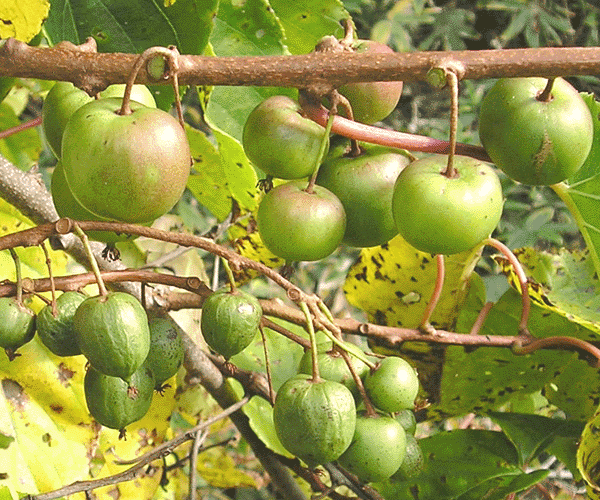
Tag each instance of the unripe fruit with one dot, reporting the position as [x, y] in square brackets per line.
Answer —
[166, 349]
[533, 141]
[377, 449]
[280, 141]
[372, 101]
[407, 420]
[365, 186]
[67, 206]
[296, 225]
[17, 326]
[112, 332]
[314, 420]
[130, 168]
[412, 465]
[109, 399]
[64, 99]
[57, 333]
[393, 385]
[447, 215]
[332, 366]
[229, 321]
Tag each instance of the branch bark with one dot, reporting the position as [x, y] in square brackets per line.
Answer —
[95, 71]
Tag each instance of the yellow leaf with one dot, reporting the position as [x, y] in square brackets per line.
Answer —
[22, 20]
[219, 470]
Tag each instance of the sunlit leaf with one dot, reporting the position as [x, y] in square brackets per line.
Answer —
[21, 149]
[588, 455]
[22, 20]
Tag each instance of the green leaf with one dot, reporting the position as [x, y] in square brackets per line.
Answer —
[243, 29]
[22, 149]
[582, 193]
[532, 434]
[260, 413]
[306, 22]
[207, 180]
[465, 465]
[588, 454]
[132, 26]
[483, 379]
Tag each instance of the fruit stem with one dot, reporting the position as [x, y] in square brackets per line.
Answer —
[313, 342]
[229, 272]
[522, 277]
[267, 365]
[321, 155]
[17, 261]
[51, 278]
[88, 251]
[19, 128]
[171, 57]
[340, 343]
[359, 385]
[546, 94]
[437, 292]
[452, 80]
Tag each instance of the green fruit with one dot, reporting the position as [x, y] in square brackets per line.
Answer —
[64, 99]
[372, 101]
[67, 206]
[280, 141]
[442, 215]
[130, 168]
[57, 332]
[230, 321]
[166, 349]
[377, 449]
[109, 399]
[60, 103]
[314, 420]
[407, 420]
[139, 93]
[296, 225]
[365, 186]
[412, 465]
[393, 385]
[333, 367]
[17, 326]
[112, 332]
[532, 141]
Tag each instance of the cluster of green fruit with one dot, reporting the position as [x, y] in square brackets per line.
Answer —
[318, 420]
[366, 199]
[112, 165]
[323, 420]
[129, 354]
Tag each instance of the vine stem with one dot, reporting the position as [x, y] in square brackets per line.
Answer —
[452, 80]
[437, 292]
[321, 155]
[93, 264]
[522, 277]
[51, 278]
[390, 138]
[143, 58]
[19, 128]
[229, 273]
[17, 262]
[316, 377]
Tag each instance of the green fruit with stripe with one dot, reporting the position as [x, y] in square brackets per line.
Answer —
[110, 400]
[112, 333]
[166, 349]
[230, 321]
[17, 326]
[57, 332]
[314, 420]
[413, 462]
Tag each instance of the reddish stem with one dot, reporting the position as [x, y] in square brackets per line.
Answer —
[437, 292]
[19, 128]
[390, 138]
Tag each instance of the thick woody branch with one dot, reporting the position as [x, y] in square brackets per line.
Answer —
[95, 71]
